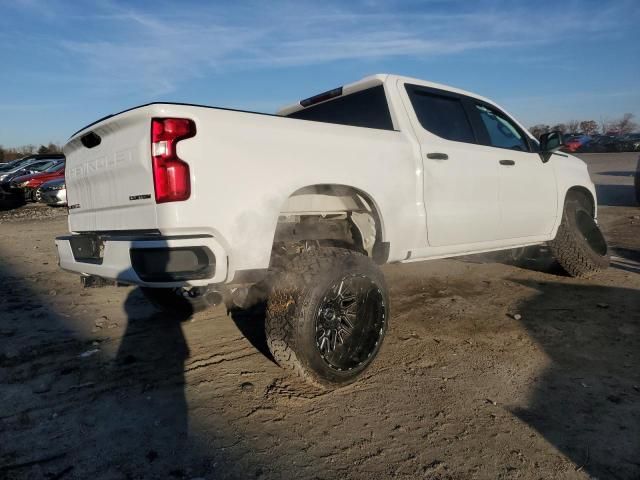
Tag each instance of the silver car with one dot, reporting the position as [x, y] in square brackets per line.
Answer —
[25, 168]
[53, 192]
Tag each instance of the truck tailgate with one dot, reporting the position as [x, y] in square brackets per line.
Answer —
[109, 175]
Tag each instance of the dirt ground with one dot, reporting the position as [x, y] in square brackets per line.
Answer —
[489, 371]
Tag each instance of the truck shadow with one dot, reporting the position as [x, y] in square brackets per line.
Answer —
[626, 259]
[71, 409]
[539, 259]
[618, 174]
[587, 403]
[620, 195]
[616, 195]
[251, 323]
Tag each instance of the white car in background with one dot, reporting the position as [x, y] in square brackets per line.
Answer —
[53, 193]
[192, 203]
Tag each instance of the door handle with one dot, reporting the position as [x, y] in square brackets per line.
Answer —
[437, 156]
[507, 162]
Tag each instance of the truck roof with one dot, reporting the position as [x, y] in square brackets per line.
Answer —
[368, 82]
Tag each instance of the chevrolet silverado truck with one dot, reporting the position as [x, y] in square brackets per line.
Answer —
[195, 203]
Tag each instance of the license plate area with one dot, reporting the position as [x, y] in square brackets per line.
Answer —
[87, 248]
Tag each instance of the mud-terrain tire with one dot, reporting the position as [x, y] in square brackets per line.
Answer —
[327, 315]
[178, 301]
[579, 246]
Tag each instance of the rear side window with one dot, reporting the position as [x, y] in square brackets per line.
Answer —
[366, 108]
[441, 115]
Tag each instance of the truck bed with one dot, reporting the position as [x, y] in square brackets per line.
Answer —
[243, 168]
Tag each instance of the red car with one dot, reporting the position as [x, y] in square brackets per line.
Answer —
[29, 183]
[572, 144]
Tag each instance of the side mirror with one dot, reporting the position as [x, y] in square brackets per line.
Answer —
[552, 141]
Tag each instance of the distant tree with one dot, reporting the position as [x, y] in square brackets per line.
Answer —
[589, 127]
[573, 126]
[54, 148]
[538, 130]
[561, 127]
[50, 148]
[625, 125]
[8, 154]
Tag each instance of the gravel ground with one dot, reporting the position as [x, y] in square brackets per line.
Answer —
[31, 211]
[489, 371]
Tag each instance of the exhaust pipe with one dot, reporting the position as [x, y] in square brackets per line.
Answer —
[213, 297]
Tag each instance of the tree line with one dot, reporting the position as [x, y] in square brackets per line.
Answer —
[8, 154]
[621, 126]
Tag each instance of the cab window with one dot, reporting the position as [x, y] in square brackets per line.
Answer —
[442, 115]
[502, 132]
[366, 108]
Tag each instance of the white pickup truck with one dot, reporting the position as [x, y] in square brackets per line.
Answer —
[192, 202]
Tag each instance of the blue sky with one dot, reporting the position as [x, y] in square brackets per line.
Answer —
[64, 64]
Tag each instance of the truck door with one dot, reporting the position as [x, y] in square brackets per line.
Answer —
[461, 178]
[528, 190]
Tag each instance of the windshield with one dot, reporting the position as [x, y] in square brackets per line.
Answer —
[13, 165]
[56, 167]
[40, 166]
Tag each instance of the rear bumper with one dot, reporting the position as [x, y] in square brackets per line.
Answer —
[152, 261]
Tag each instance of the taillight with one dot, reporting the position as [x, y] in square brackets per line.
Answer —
[170, 173]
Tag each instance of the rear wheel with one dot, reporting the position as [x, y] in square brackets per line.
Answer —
[327, 316]
[579, 247]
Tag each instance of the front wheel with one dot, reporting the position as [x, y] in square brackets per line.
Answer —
[579, 247]
[327, 315]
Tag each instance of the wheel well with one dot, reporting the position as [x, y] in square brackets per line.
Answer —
[584, 196]
[328, 214]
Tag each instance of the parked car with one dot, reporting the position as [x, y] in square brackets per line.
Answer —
[24, 161]
[31, 166]
[52, 193]
[9, 165]
[7, 189]
[14, 164]
[573, 143]
[29, 183]
[602, 144]
[175, 199]
[631, 142]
